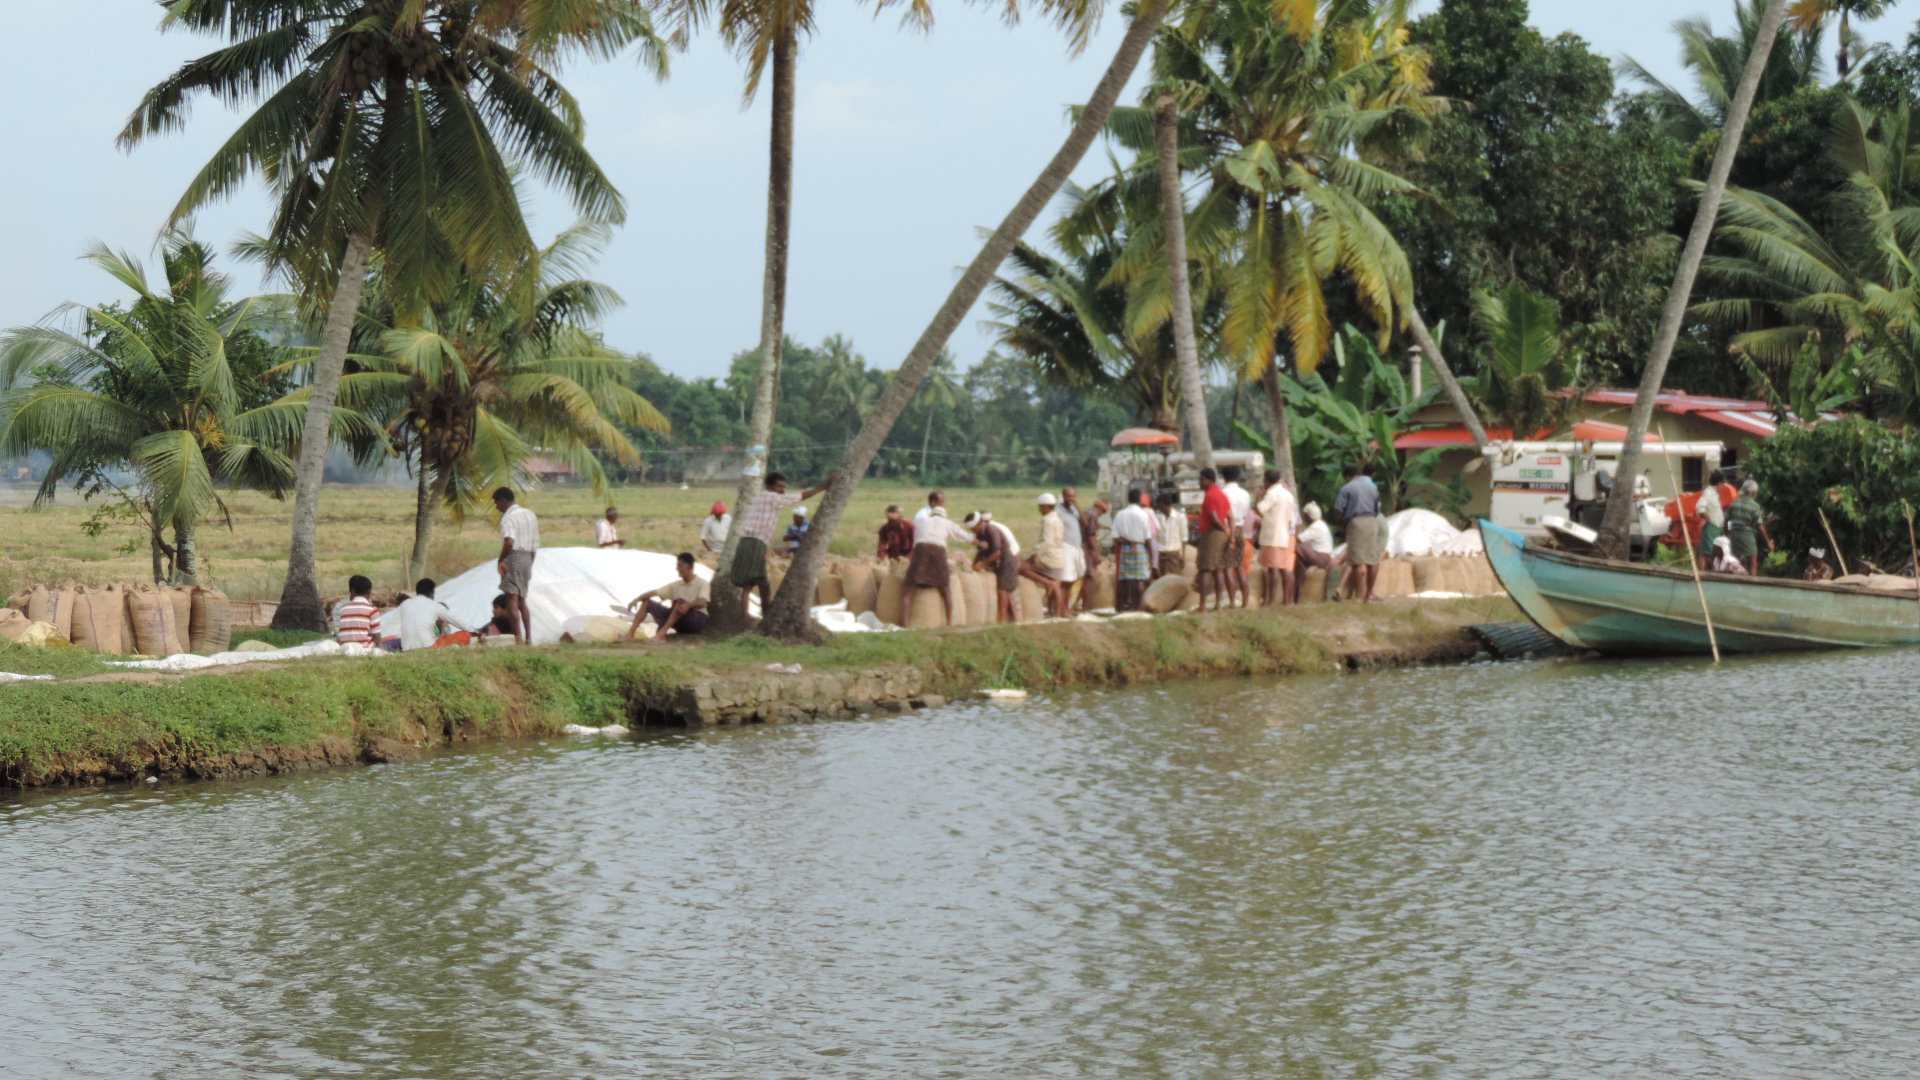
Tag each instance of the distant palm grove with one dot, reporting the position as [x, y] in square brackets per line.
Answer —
[1305, 192]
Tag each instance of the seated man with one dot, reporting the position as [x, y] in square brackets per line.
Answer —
[423, 619]
[502, 620]
[681, 607]
[356, 620]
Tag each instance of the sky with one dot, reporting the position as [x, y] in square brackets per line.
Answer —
[907, 145]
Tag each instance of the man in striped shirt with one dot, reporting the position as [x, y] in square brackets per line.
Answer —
[356, 619]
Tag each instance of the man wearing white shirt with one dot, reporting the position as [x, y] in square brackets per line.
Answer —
[1277, 511]
[1133, 533]
[1241, 505]
[713, 528]
[421, 618]
[606, 531]
[519, 540]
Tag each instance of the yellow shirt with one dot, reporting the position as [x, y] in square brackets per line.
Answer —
[685, 590]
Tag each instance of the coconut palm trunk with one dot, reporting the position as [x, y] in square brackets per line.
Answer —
[300, 600]
[186, 564]
[1173, 211]
[1448, 384]
[429, 497]
[789, 617]
[1614, 527]
[1282, 428]
[728, 616]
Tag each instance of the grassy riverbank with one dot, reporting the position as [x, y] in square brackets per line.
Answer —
[370, 531]
[96, 724]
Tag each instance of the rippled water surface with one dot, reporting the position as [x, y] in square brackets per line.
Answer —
[1520, 870]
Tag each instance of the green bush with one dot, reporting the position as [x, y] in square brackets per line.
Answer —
[1860, 472]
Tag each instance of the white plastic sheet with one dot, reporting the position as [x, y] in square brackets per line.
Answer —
[191, 662]
[567, 583]
[8, 676]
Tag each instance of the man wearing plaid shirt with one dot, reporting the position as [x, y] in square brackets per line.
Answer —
[749, 568]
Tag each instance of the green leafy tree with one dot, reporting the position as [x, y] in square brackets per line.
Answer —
[394, 127]
[1524, 364]
[1536, 178]
[1858, 471]
[1356, 418]
[174, 387]
[499, 371]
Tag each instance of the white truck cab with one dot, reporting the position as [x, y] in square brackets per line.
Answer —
[1534, 481]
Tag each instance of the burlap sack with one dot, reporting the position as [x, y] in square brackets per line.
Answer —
[13, 624]
[1313, 586]
[828, 590]
[181, 597]
[983, 599]
[1099, 589]
[1166, 594]
[1395, 580]
[957, 589]
[860, 587]
[1033, 601]
[886, 602]
[54, 606]
[86, 632]
[110, 618]
[150, 619]
[1426, 573]
[927, 612]
[210, 625]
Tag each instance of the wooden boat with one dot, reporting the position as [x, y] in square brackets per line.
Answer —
[1638, 609]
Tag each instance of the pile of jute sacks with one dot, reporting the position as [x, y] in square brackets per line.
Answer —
[148, 620]
[872, 585]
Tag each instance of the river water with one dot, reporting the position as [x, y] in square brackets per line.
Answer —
[1557, 869]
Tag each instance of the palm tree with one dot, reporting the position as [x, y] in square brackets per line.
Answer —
[393, 127]
[172, 387]
[1613, 526]
[1718, 62]
[789, 616]
[1284, 116]
[1081, 328]
[1186, 346]
[501, 370]
[1524, 365]
[941, 392]
[1808, 18]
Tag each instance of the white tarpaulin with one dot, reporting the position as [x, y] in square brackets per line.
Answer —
[567, 583]
[1414, 533]
[191, 662]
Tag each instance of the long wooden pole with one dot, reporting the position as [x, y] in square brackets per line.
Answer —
[1693, 557]
[1913, 546]
[1838, 555]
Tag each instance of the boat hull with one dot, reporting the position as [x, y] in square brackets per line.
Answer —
[1633, 609]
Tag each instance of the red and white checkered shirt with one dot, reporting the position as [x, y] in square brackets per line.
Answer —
[763, 516]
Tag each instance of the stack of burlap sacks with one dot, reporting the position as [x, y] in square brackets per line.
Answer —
[872, 585]
[150, 620]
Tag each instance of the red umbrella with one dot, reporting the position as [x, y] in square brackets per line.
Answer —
[1139, 436]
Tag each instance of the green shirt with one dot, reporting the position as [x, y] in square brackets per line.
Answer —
[1745, 515]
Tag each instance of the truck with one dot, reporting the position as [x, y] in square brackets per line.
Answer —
[1538, 486]
[1159, 470]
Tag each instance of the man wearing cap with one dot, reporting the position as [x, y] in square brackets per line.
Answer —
[796, 532]
[928, 568]
[1048, 563]
[606, 532]
[896, 536]
[1817, 568]
[748, 571]
[713, 528]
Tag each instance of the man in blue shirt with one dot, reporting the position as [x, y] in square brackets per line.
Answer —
[1357, 509]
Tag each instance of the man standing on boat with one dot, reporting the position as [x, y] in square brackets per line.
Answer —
[1747, 526]
[1713, 514]
[1357, 509]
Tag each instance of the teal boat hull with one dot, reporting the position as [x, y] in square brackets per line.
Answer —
[1636, 609]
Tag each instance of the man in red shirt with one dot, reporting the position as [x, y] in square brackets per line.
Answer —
[896, 536]
[1216, 523]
